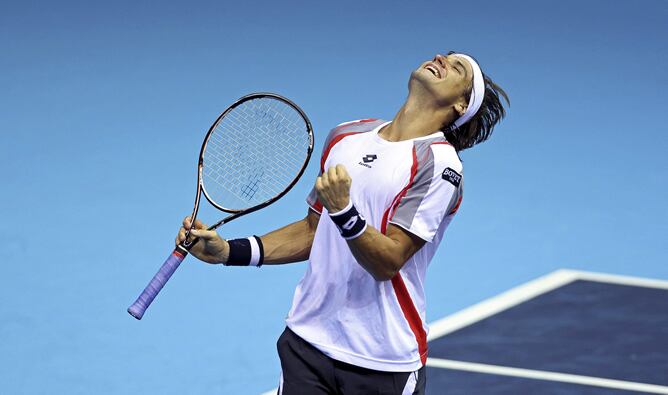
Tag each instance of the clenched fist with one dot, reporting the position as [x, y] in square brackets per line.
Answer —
[333, 188]
[210, 247]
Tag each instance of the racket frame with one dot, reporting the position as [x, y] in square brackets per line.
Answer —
[201, 189]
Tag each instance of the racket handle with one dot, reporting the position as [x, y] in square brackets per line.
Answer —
[158, 281]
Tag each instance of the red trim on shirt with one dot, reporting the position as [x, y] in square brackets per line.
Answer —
[331, 145]
[411, 314]
[403, 297]
[317, 206]
[441, 142]
[454, 209]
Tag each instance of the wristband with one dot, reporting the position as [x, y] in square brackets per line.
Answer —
[245, 252]
[349, 221]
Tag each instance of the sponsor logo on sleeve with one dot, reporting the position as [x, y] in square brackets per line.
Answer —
[452, 176]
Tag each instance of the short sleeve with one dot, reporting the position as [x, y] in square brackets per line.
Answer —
[335, 135]
[434, 192]
[313, 201]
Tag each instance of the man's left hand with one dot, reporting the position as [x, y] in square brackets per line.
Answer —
[333, 188]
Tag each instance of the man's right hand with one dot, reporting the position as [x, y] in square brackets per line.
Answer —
[210, 248]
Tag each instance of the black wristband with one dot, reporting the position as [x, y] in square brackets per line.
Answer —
[349, 221]
[245, 252]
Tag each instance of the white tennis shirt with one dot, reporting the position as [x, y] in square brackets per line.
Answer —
[338, 307]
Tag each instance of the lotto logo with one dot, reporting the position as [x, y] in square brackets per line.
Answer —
[369, 158]
[351, 222]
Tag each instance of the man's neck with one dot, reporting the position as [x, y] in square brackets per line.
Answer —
[414, 119]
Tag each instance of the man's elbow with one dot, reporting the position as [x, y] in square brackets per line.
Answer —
[385, 276]
[386, 271]
[311, 222]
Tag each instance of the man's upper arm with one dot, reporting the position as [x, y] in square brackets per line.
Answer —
[312, 219]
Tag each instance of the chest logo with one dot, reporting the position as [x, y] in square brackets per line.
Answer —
[452, 176]
[368, 159]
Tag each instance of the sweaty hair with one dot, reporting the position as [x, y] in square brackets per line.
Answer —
[479, 127]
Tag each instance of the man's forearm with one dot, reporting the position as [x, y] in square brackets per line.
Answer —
[291, 243]
[383, 255]
[376, 253]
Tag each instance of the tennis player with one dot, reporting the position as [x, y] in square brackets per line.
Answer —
[377, 213]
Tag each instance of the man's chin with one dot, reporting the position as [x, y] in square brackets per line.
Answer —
[419, 74]
[419, 82]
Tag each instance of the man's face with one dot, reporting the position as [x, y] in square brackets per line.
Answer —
[447, 79]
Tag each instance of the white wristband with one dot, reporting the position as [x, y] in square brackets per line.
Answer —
[255, 251]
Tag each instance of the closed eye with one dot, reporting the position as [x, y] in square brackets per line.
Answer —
[460, 67]
[458, 64]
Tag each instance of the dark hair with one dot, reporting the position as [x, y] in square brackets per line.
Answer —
[479, 127]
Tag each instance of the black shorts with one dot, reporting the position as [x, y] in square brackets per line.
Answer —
[306, 370]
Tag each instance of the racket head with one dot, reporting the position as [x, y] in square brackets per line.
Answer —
[254, 152]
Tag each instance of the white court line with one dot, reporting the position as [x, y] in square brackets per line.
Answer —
[503, 301]
[546, 375]
[621, 280]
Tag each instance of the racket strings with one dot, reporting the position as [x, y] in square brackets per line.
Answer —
[254, 153]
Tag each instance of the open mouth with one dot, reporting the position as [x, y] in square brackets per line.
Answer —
[433, 69]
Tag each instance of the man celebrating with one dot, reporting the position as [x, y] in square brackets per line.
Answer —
[384, 197]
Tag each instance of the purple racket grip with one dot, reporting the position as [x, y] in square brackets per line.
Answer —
[158, 281]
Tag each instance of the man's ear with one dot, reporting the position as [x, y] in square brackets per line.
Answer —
[460, 108]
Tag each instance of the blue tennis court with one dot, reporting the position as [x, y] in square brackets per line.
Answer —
[569, 332]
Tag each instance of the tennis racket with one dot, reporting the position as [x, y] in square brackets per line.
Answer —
[252, 155]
